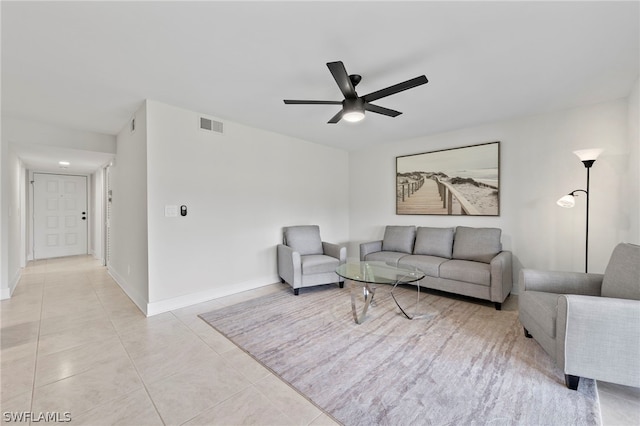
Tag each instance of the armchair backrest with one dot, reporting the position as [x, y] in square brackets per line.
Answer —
[622, 276]
[304, 239]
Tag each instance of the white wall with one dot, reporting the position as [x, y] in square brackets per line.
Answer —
[631, 179]
[21, 131]
[537, 167]
[96, 214]
[240, 189]
[128, 262]
[12, 222]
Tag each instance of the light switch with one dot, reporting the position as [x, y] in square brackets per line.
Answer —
[171, 211]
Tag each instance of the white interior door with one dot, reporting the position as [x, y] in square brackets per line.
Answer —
[59, 215]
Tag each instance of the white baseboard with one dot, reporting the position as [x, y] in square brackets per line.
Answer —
[167, 305]
[135, 297]
[162, 306]
[6, 292]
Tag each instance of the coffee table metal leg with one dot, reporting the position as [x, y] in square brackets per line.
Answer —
[369, 292]
[415, 311]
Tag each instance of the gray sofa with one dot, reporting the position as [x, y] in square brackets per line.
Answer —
[464, 260]
[588, 323]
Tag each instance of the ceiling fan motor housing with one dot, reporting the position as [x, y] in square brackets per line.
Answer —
[356, 104]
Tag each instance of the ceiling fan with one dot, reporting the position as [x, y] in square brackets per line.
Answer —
[353, 106]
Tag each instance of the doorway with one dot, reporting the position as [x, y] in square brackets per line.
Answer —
[59, 215]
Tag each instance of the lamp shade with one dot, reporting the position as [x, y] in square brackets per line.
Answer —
[588, 154]
[567, 201]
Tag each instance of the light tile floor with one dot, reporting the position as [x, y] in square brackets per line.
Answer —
[73, 342]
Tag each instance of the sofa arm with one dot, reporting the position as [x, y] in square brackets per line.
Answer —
[335, 250]
[501, 276]
[599, 338]
[289, 265]
[370, 247]
[560, 282]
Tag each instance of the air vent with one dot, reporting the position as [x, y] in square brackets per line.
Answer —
[209, 125]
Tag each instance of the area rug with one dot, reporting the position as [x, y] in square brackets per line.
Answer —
[461, 363]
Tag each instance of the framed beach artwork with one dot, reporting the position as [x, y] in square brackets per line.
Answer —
[456, 181]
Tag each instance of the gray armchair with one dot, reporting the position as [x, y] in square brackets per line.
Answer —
[304, 260]
[589, 323]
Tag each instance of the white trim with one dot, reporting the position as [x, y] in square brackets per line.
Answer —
[7, 292]
[167, 305]
[139, 301]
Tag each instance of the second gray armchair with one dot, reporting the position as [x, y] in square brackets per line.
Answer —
[588, 323]
[304, 260]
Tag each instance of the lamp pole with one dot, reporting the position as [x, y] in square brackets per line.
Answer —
[588, 157]
[587, 164]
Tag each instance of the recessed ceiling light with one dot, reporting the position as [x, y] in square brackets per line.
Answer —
[64, 163]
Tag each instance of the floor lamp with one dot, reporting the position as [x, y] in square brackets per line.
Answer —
[588, 157]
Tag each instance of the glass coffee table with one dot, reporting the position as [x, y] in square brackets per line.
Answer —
[366, 274]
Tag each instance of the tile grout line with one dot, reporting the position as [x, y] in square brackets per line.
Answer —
[133, 364]
[35, 361]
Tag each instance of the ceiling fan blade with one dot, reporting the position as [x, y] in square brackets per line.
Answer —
[336, 118]
[381, 110]
[396, 88]
[342, 78]
[298, 102]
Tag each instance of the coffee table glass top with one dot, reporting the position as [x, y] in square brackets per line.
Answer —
[379, 272]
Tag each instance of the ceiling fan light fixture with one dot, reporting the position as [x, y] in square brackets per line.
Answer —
[353, 116]
[353, 110]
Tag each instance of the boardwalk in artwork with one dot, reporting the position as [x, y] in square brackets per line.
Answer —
[425, 200]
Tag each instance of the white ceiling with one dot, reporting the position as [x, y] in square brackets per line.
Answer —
[89, 65]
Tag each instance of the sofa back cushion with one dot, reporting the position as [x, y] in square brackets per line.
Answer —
[622, 276]
[477, 244]
[304, 239]
[399, 238]
[434, 242]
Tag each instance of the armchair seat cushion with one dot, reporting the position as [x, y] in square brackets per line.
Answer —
[318, 264]
[386, 256]
[467, 271]
[542, 307]
[430, 265]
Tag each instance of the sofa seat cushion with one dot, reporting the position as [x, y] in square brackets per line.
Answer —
[430, 265]
[399, 238]
[467, 271]
[434, 242]
[386, 256]
[477, 244]
[318, 264]
[542, 308]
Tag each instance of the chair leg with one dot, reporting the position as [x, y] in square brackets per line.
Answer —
[571, 381]
[527, 334]
[296, 291]
[498, 306]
